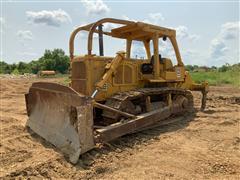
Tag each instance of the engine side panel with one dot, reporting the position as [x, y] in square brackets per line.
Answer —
[88, 70]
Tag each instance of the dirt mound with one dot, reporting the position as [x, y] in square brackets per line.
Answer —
[200, 146]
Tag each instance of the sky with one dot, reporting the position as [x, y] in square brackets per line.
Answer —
[207, 31]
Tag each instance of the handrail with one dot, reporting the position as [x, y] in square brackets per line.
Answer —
[96, 24]
[92, 28]
[73, 35]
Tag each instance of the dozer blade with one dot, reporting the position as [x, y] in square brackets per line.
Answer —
[61, 116]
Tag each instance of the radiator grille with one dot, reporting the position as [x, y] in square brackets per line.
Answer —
[79, 77]
[128, 75]
[79, 70]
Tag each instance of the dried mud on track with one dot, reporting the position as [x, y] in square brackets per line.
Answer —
[203, 145]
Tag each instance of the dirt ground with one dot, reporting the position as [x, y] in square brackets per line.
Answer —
[205, 145]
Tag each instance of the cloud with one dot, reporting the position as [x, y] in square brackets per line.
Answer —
[125, 17]
[183, 33]
[156, 17]
[138, 50]
[153, 18]
[97, 7]
[50, 18]
[165, 49]
[25, 35]
[218, 48]
[109, 26]
[230, 30]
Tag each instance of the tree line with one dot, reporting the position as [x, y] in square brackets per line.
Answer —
[55, 60]
[58, 61]
[223, 68]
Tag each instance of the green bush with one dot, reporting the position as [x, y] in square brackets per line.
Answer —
[15, 72]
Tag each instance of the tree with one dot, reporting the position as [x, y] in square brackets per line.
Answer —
[55, 60]
[51, 60]
[15, 72]
[195, 67]
[213, 68]
[6, 68]
[3, 67]
[35, 66]
[189, 67]
[23, 67]
[223, 68]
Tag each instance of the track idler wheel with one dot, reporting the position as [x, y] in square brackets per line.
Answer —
[180, 104]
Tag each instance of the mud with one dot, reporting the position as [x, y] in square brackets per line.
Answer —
[204, 145]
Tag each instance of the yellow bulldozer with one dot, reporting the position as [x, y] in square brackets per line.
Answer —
[109, 97]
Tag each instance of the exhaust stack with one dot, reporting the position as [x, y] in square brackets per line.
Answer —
[100, 38]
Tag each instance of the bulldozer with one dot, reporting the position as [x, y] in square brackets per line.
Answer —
[109, 97]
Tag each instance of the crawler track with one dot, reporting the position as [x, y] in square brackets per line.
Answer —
[127, 101]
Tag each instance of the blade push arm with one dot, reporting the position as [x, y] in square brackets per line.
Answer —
[110, 69]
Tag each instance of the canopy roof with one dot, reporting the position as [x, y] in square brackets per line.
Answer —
[141, 31]
[132, 30]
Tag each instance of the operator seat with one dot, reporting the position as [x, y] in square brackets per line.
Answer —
[167, 64]
[147, 68]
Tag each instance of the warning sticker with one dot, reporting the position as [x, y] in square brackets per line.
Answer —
[178, 72]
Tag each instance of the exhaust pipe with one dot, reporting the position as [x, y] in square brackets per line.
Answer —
[100, 38]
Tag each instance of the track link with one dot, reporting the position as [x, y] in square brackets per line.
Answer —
[124, 101]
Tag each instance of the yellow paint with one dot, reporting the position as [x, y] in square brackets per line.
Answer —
[110, 75]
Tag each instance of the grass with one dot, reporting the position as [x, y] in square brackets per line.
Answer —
[216, 78]
[66, 81]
